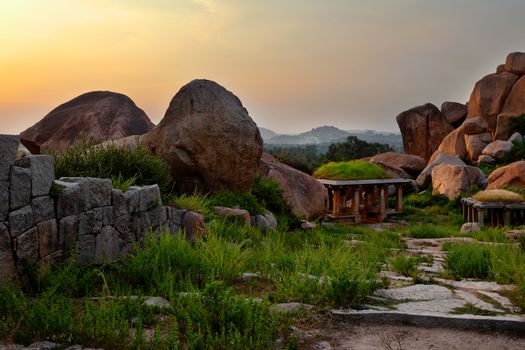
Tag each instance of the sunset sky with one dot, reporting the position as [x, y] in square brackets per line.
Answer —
[295, 64]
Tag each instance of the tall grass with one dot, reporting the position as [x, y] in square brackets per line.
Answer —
[138, 165]
[500, 263]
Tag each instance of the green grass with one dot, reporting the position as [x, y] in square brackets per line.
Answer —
[431, 231]
[470, 309]
[124, 165]
[501, 263]
[405, 265]
[350, 170]
[315, 267]
[194, 202]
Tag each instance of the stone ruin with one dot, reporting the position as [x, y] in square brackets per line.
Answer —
[43, 220]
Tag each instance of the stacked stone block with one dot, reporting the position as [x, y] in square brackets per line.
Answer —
[85, 219]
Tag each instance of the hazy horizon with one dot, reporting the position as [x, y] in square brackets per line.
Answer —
[295, 65]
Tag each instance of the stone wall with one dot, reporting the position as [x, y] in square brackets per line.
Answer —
[49, 221]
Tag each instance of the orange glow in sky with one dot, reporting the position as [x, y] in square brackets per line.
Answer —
[294, 64]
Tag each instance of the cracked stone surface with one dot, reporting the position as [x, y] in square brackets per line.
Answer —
[416, 292]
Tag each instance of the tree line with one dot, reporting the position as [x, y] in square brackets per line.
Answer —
[307, 158]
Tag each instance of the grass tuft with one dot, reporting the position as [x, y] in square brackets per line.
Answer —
[498, 196]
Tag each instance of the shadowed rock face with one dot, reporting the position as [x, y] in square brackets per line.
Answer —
[423, 128]
[208, 139]
[303, 192]
[96, 116]
[488, 96]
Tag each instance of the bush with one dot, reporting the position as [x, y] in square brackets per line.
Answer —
[350, 170]
[517, 124]
[236, 200]
[426, 199]
[125, 166]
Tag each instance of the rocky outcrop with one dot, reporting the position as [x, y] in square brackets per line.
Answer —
[515, 63]
[95, 116]
[451, 180]
[514, 106]
[488, 96]
[208, 139]
[425, 178]
[306, 196]
[454, 113]
[410, 163]
[512, 175]
[468, 140]
[423, 128]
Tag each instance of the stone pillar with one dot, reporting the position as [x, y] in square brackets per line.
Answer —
[399, 198]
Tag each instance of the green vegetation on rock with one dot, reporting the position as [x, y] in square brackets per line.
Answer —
[350, 170]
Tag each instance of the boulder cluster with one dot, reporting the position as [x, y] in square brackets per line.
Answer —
[476, 132]
[206, 136]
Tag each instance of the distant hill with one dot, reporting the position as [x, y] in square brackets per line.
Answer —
[323, 136]
[267, 134]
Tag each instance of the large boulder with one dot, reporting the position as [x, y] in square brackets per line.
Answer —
[454, 144]
[511, 175]
[424, 179]
[451, 180]
[476, 144]
[468, 140]
[96, 116]
[488, 96]
[515, 63]
[410, 163]
[454, 113]
[514, 106]
[306, 196]
[423, 128]
[497, 149]
[208, 139]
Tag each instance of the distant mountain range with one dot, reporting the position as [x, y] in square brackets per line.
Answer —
[330, 134]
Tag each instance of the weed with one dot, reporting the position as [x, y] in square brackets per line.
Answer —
[405, 265]
[470, 309]
[195, 202]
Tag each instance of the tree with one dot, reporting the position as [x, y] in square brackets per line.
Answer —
[354, 148]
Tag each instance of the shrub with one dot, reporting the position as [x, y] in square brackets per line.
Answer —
[123, 165]
[351, 170]
[517, 124]
[236, 200]
[426, 199]
[498, 196]
[269, 193]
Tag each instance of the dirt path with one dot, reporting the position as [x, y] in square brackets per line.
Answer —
[397, 337]
[321, 332]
